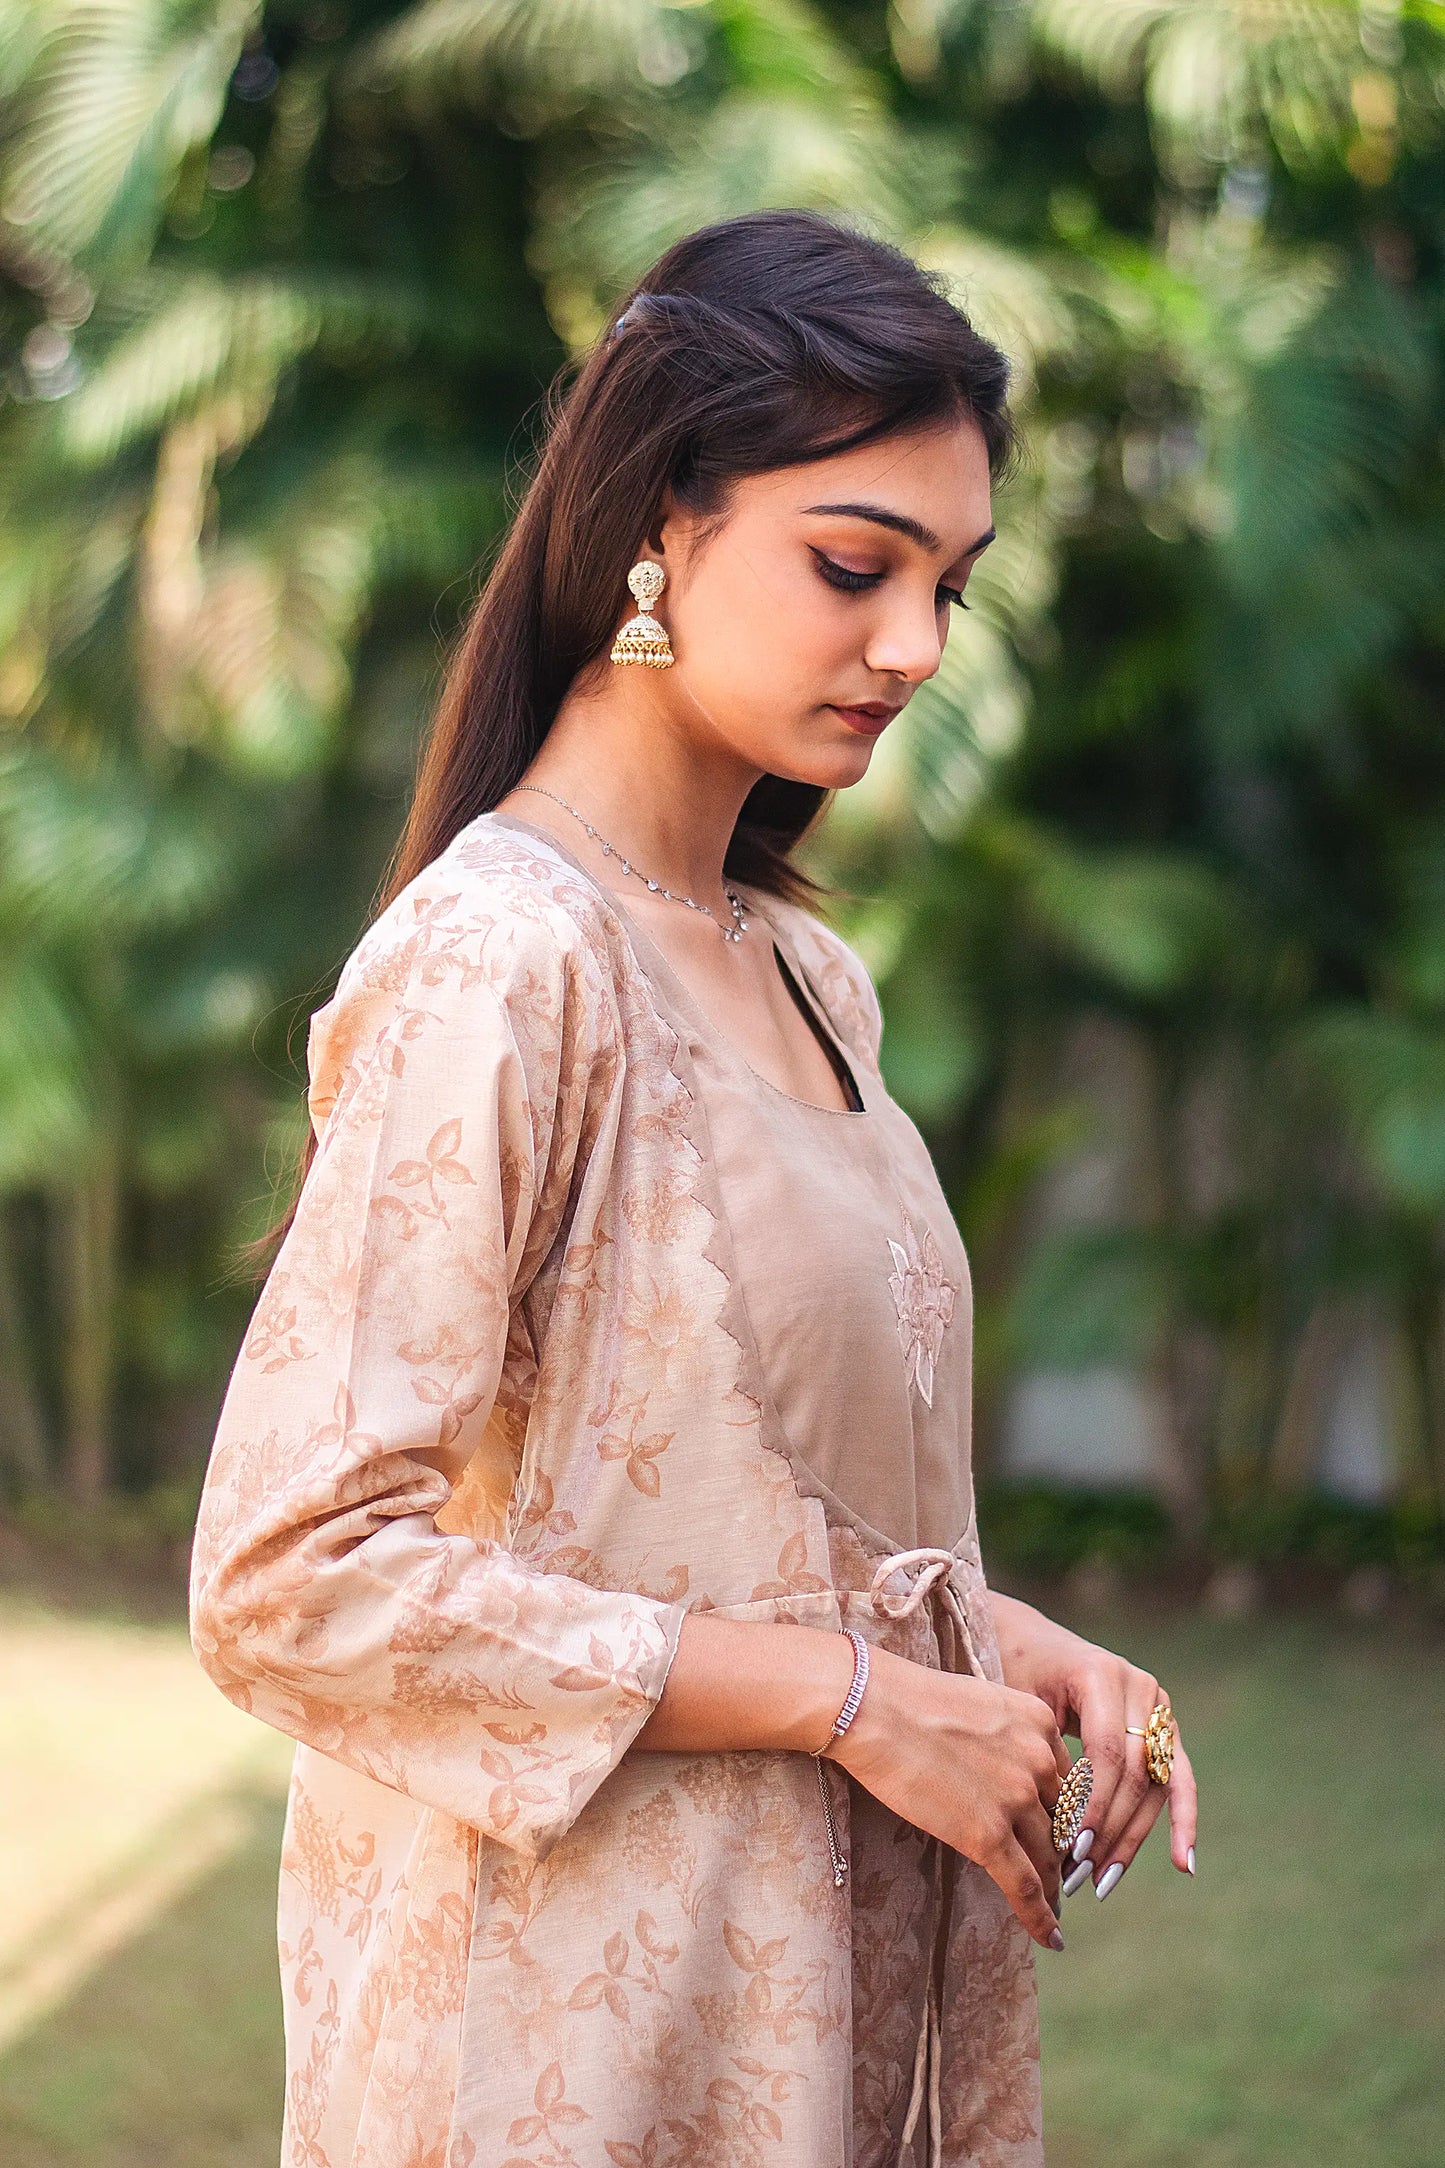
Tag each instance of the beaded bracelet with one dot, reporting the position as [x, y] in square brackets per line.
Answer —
[849, 1709]
[841, 1722]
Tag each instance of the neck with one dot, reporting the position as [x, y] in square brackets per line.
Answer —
[665, 796]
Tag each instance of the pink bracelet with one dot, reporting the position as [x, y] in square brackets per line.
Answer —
[841, 1722]
[849, 1709]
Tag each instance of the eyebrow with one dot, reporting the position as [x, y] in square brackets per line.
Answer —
[900, 523]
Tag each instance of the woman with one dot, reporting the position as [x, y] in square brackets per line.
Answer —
[617, 1353]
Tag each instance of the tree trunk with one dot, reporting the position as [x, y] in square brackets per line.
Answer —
[23, 1455]
[86, 1235]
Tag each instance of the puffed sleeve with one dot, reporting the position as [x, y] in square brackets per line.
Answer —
[459, 1081]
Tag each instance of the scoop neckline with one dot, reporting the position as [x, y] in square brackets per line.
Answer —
[681, 995]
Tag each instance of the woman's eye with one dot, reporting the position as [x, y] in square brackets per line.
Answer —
[853, 583]
[837, 575]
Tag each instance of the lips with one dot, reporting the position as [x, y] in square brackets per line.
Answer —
[868, 718]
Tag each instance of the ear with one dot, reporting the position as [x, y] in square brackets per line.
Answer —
[665, 529]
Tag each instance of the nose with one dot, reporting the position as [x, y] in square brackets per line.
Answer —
[906, 641]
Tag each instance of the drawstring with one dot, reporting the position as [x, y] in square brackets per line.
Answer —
[937, 1569]
[915, 2098]
[936, 1564]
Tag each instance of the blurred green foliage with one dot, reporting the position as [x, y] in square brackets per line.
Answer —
[280, 288]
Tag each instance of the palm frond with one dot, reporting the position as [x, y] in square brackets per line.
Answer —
[789, 50]
[964, 719]
[1327, 419]
[542, 60]
[119, 94]
[1219, 76]
[1386, 1078]
[98, 848]
[282, 602]
[601, 226]
[207, 339]
[1148, 922]
[1013, 299]
[47, 1100]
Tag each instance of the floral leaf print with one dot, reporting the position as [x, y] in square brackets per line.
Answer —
[925, 1298]
[647, 1935]
[273, 1334]
[639, 1454]
[794, 1575]
[440, 1165]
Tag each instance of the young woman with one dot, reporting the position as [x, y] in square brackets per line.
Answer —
[606, 1408]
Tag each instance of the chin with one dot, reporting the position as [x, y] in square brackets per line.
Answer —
[826, 767]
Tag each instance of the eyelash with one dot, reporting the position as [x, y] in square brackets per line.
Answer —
[854, 583]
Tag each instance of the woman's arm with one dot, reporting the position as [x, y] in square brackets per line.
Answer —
[1095, 1694]
[450, 1088]
[974, 1764]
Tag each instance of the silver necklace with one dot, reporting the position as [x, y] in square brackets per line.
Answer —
[735, 902]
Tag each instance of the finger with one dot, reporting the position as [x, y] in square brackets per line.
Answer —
[1034, 1828]
[1121, 1853]
[1101, 1731]
[1053, 1763]
[1132, 1784]
[1011, 1868]
[1183, 1811]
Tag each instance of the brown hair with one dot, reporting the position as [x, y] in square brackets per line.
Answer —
[758, 343]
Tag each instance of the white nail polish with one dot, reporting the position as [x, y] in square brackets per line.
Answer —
[1109, 1879]
[1083, 1844]
[1075, 1878]
[1189, 1859]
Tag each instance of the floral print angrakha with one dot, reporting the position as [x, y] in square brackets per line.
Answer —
[502, 1418]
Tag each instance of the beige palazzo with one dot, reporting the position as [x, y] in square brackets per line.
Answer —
[582, 1324]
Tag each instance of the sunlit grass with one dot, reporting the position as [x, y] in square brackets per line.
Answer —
[1286, 2008]
[1283, 2010]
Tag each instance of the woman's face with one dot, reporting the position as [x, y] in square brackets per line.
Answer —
[806, 620]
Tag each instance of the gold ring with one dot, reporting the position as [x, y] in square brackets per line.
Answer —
[1159, 1737]
[1073, 1799]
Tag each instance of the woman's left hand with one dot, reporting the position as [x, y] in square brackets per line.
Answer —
[1094, 1695]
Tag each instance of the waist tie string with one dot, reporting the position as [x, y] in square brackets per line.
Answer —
[937, 1565]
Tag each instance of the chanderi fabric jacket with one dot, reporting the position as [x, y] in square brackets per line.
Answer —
[582, 1325]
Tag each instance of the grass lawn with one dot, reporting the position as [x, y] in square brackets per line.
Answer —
[1284, 2010]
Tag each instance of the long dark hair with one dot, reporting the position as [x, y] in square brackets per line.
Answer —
[758, 343]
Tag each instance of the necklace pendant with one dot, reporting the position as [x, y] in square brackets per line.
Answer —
[609, 850]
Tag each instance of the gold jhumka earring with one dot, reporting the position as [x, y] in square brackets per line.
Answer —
[642, 639]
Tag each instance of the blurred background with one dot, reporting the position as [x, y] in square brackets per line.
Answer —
[1152, 880]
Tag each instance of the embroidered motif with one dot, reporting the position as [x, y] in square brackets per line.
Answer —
[925, 1297]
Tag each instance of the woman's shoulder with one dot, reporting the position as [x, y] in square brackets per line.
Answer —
[837, 971]
[498, 931]
[496, 904]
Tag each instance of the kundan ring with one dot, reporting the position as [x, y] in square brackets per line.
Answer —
[1158, 1736]
[1072, 1801]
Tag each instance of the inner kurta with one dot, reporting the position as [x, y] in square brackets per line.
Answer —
[852, 1270]
[581, 1325]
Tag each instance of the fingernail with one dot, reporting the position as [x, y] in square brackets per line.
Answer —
[1083, 1844]
[1108, 1879]
[1054, 1906]
[1076, 1878]
[1189, 1859]
[1056, 1940]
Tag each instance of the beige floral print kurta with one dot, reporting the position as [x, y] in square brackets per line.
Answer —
[503, 1415]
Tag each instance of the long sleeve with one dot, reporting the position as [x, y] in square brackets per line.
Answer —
[459, 1082]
